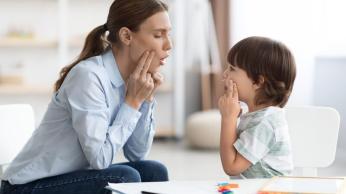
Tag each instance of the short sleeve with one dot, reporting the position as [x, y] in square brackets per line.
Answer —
[255, 142]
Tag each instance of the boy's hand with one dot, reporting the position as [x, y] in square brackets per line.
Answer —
[229, 101]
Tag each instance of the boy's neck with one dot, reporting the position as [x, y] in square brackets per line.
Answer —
[253, 107]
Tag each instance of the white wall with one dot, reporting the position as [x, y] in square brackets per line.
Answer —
[315, 32]
[292, 22]
[330, 84]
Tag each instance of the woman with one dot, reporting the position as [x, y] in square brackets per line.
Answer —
[102, 102]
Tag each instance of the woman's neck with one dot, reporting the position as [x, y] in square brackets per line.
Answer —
[122, 59]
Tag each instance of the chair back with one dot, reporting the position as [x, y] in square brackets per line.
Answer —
[16, 127]
[314, 134]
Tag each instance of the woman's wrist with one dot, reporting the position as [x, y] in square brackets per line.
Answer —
[149, 99]
[133, 103]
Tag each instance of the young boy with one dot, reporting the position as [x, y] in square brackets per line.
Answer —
[261, 74]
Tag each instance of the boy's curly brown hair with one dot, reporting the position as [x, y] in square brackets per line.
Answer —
[269, 60]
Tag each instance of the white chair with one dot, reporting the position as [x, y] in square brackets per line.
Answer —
[16, 126]
[314, 134]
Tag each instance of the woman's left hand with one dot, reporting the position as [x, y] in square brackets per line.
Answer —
[229, 101]
[158, 80]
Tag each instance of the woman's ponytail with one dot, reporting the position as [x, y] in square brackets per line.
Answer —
[94, 45]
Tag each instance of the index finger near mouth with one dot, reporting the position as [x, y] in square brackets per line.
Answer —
[235, 91]
[230, 86]
[141, 62]
[147, 63]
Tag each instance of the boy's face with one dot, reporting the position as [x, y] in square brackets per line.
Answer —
[246, 86]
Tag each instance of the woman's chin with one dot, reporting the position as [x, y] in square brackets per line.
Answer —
[153, 71]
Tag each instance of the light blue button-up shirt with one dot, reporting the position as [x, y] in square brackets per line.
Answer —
[87, 122]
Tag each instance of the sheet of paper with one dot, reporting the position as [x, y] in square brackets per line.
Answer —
[164, 188]
[305, 185]
[248, 186]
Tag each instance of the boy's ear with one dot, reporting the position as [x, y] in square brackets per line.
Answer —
[258, 84]
[125, 36]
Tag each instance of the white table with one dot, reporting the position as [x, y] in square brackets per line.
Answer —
[246, 186]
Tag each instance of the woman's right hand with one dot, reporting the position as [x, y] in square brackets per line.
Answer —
[140, 83]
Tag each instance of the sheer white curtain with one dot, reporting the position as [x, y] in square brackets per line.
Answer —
[201, 54]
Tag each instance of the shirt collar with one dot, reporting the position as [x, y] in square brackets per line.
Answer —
[112, 68]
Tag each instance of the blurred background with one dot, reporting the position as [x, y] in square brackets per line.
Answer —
[39, 37]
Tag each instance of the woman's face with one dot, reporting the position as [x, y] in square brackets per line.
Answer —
[153, 35]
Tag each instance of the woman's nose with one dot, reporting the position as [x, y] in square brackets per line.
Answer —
[168, 44]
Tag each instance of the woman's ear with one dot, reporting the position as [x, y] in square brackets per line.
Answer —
[258, 84]
[125, 35]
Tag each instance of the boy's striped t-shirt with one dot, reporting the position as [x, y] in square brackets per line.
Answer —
[263, 139]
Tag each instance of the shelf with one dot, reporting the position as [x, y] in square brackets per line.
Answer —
[36, 89]
[23, 42]
[9, 89]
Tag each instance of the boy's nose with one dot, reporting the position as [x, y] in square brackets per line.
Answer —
[225, 74]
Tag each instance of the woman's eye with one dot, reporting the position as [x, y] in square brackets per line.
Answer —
[157, 36]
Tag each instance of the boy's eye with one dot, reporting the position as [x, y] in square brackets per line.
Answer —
[157, 35]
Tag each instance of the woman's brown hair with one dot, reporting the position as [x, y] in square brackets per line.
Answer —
[269, 59]
[122, 13]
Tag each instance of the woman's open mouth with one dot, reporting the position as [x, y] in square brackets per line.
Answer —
[163, 60]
